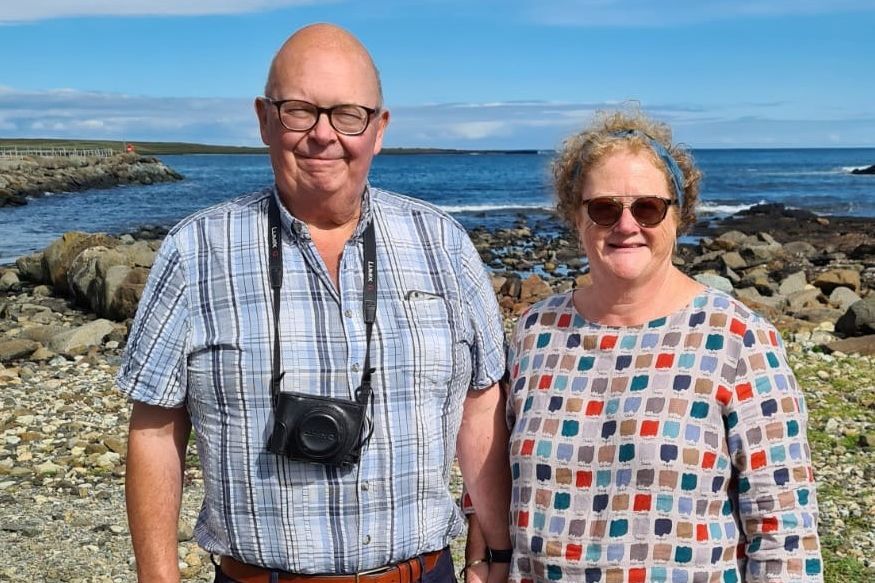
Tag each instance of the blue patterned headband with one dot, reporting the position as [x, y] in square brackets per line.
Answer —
[677, 175]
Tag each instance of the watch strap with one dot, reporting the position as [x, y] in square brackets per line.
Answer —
[498, 555]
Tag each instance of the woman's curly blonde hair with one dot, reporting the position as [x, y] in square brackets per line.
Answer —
[583, 151]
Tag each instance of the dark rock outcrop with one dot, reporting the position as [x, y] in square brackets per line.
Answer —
[867, 170]
[23, 177]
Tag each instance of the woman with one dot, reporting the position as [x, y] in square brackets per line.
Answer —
[658, 433]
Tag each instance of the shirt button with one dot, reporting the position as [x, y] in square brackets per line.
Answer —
[348, 313]
[365, 486]
[366, 539]
[355, 367]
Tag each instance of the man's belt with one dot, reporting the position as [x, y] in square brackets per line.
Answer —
[409, 571]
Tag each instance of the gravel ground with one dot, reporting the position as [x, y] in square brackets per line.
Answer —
[62, 452]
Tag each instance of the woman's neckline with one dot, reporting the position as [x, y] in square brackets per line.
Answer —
[695, 301]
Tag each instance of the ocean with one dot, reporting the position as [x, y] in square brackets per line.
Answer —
[489, 190]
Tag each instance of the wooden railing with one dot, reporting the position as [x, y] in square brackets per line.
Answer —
[16, 152]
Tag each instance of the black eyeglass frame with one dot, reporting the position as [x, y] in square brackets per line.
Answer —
[371, 111]
[616, 202]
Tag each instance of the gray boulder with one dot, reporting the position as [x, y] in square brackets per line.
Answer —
[804, 298]
[800, 249]
[793, 283]
[42, 334]
[733, 260]
[75, 340]
[729, 240]
[843, 298]
[139, 254]
[818, 314]
[750, 295]
[758, 277]
[859, 320]
[716, 281]
[31, 268]
[863, 345]
[16, 348]
[9, 280]
[759, 252]
[84, 275]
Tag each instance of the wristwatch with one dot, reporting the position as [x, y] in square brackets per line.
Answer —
[498, 555]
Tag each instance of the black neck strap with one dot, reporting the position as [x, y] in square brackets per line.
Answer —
[369, 288]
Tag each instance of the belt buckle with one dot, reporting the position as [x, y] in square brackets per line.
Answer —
[370, 572]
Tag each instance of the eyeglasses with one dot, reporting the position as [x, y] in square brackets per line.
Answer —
[302, 116]
[648, 211]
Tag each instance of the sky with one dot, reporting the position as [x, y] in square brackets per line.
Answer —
[506, 74]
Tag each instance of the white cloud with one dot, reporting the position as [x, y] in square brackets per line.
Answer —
[67, 113]
[31, 10]
[646, 13]
[476, 130]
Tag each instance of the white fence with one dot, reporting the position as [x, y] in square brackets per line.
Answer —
[16, 152]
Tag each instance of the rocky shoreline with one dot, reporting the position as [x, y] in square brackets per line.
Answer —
[64, 317]
[25, 177]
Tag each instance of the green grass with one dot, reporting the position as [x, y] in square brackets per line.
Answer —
[841, 396]
[843, 569]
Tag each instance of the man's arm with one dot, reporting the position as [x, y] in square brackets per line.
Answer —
[483, 459]
[153, 487]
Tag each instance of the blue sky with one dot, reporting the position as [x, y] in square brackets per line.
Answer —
[456, 73]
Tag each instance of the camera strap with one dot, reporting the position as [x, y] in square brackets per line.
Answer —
[369, 291]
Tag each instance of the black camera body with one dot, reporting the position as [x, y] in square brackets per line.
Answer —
[323, 430]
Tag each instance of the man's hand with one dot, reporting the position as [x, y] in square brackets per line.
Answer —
[153, 488]
[476, 567]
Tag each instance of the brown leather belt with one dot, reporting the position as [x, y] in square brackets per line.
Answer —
[409, 571]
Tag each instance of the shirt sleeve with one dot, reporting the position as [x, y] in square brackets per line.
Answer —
[153, 369]
[478, 300]
[766, 421]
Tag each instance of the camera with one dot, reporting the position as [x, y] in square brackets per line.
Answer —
[309, 428]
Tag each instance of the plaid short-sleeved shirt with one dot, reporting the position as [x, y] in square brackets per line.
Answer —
[203, 339]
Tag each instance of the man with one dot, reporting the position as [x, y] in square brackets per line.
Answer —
[221, 344]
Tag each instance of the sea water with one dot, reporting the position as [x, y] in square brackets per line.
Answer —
[489, 190]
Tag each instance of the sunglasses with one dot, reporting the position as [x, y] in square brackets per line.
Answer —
[648, 211]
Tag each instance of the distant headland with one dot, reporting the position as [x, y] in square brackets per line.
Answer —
[168, 148]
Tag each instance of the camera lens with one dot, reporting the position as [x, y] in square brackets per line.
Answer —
[320, 434]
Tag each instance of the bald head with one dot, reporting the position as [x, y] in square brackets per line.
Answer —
[322, 40]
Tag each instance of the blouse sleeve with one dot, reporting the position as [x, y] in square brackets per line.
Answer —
[766, 422]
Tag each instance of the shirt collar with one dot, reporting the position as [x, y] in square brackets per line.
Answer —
[299, 229]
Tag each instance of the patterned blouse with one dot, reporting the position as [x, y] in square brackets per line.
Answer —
[672, 452]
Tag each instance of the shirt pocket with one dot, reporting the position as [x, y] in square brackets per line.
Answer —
[429, 352]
